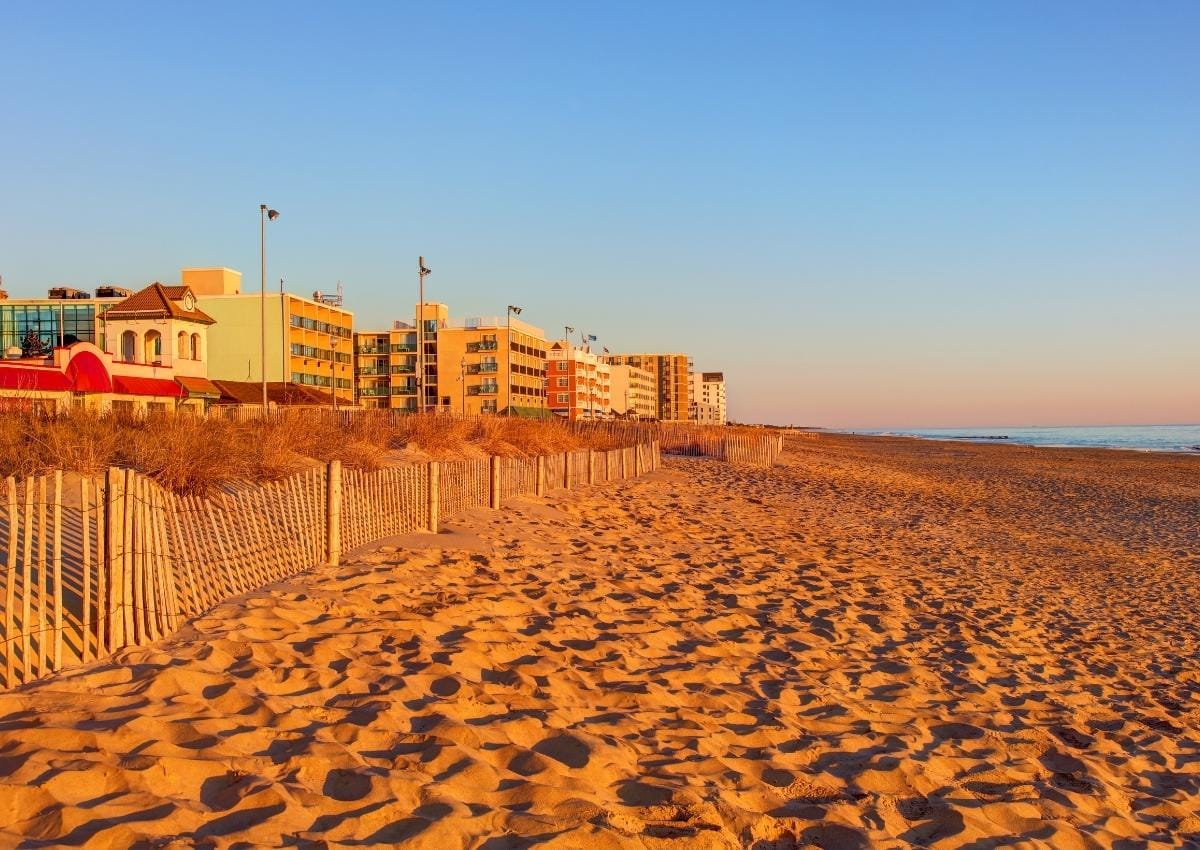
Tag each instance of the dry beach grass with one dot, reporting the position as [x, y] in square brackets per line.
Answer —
[189, 455]
[879, 643]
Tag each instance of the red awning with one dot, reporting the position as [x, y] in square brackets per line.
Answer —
[146, 386]
[32, 378]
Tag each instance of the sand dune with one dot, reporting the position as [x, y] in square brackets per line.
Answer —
[881, 643]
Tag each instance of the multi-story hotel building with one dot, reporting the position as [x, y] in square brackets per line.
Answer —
[471, 366]
[490, 365]
[578, 383]
[385, 367]
[672, 381]
[309, 342]
[633, 393]
[708, 398]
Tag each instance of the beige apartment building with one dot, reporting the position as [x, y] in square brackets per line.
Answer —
[633, 392]
[672, 381]
[489, 364]
[708, 398]
[309, 341]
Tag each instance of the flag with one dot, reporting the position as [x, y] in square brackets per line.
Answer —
[591, 338]
[606, 351]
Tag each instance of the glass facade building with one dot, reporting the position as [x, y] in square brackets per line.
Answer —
[55, 322]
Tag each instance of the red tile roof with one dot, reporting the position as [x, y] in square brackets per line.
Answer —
[198, 387]
[158, 302]
[250, 392]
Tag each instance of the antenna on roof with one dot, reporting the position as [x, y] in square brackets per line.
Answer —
[330, 300]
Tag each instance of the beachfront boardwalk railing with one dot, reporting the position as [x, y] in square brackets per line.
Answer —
[118, 561]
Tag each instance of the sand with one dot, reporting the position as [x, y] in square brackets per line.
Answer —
[879, 643]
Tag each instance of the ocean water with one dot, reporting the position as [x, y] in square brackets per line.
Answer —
[1159, 438]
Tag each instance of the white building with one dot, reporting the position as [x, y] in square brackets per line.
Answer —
[633, 392]
[708, 398]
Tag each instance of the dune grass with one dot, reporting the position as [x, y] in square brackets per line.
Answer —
[192, 455]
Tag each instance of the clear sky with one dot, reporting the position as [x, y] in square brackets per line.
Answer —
[866, 215]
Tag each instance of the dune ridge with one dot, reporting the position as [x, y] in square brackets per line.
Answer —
[878, 643]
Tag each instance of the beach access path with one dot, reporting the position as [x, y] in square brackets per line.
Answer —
[878, 643]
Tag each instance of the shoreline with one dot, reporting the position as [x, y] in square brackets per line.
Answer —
[1005, 440]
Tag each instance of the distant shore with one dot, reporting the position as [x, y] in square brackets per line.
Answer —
[1153, 438]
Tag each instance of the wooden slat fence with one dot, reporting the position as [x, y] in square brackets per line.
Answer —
[119, 561]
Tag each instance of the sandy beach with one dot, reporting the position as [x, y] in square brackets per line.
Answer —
[878, 643]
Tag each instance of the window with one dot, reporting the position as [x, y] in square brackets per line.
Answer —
[562, 382]
[181, 345]
[195, 346]
[562, 365]
[562, 398]
[153, 346]
[129, 346]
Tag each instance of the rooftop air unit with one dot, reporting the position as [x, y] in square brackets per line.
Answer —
[66, 293]
[108, 291]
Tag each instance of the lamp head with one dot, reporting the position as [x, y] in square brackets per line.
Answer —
[272, 215]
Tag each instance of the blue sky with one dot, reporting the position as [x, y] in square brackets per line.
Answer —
[865, 214]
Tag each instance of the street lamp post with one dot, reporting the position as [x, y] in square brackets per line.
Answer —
[421, 272]
[508, 344]
[265, 214]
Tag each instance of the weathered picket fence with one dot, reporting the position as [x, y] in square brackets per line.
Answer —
[748, 446]
[123, 562]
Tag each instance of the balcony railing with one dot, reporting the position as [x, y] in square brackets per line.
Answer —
[485, 345]
[370, 370]
[371, 348]
[404, 390]
[402, 347]
[484, 389]
[373, 391]
[477, 368]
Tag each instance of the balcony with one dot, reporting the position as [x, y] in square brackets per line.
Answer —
[404, 390]
[370, 348]
[485, 345]
[404, 369]
[373, 391]
[404, 347]
[478, 368]
[370, 370]
[484, 389]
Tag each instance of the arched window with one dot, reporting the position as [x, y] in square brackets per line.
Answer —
[129, 346]
[181, 345]
[152, 346]
[195, 346]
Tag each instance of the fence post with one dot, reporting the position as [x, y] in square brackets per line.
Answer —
[496, 473]
[433, 488]
[567, 470]
[591, 467]
[333, 514]
[539, 486]
[114, 550]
